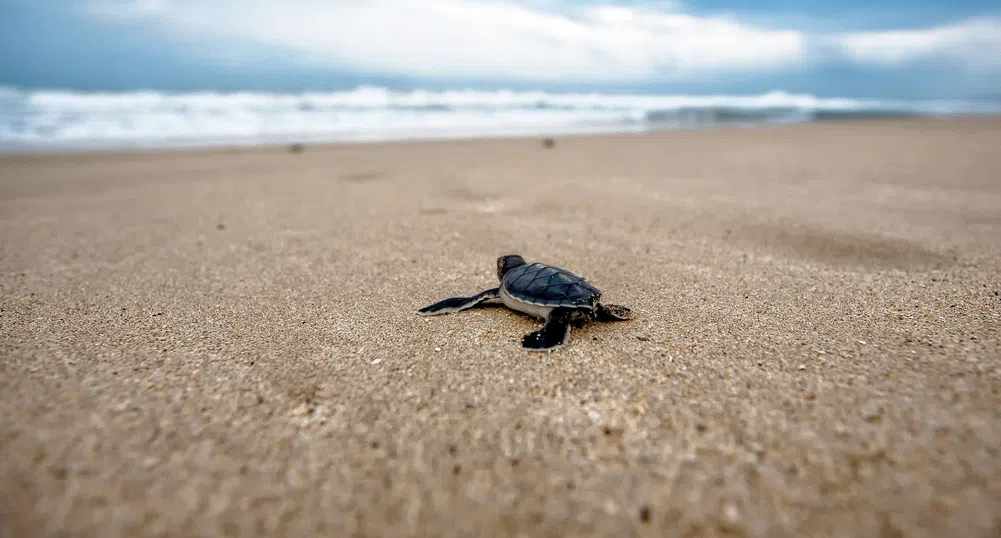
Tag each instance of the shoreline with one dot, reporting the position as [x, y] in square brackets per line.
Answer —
[236, 146]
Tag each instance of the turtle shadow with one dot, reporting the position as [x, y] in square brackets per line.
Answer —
[577, 323]
[498, 306]
[580, 327]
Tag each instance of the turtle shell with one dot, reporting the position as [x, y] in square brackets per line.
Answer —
[545, 285]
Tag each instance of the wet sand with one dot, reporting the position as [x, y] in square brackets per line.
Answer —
[225, 343]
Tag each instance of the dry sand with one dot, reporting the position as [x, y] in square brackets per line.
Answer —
[225, 342]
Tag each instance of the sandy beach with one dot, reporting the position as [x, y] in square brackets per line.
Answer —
[225, 343]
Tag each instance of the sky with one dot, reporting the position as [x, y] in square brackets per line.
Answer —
[850, 48]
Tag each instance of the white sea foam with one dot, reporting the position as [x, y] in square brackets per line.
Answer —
[52, 119]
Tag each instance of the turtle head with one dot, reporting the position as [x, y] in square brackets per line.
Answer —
[508, 262]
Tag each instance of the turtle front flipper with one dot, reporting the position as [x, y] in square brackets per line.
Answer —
[613, 312]
[455, 304]
[555, 332]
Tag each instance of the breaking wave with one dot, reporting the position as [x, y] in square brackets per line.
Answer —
[57, 119]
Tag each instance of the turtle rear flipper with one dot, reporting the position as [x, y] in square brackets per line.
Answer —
[456, 304]
[555, 332]
[613, 312]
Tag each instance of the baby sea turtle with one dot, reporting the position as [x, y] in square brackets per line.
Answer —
[553, 294]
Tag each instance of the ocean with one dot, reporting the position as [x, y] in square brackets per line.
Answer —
[60, 120]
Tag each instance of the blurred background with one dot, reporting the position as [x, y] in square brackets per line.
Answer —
[164, 73]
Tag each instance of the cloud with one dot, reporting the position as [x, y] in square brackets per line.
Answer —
[541, 40]
[975, 44]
